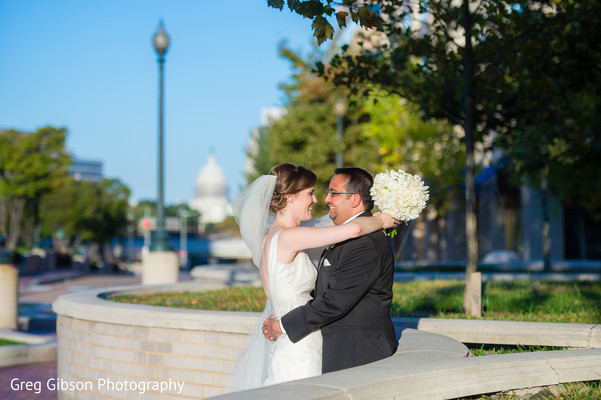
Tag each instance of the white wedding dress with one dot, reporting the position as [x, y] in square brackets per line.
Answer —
[260, 361]
[290, 286]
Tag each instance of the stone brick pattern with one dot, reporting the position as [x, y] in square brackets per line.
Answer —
[99, 360]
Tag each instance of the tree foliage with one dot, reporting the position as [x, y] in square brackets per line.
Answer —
[109, 212]
[31, 164]
[551, 101]
[432, 65]
[380, 132]
[536, 75]
[525, 73]
[306, 132]
[63, 210]
[428, 148]
[147, 207]
[85, 211]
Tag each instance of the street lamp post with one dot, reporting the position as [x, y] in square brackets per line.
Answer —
[340, 111]
[160, 241]
[130, 238]
[183, 238]
[160, 264]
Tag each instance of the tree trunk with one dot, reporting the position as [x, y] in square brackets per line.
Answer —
[36, 221]
[471, 222]
[3, 218]
[544, 193]
[581, 235]
[15, 211]
[434, 239]
[442, 243]
[419, 233]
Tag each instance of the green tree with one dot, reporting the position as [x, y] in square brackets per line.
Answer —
[108, 216]
[63, 211]
[429, 148]
[306, 132]
[85, 211]
[467, 61]
[147, 208]
[175, 210]
[228, 227]
[31, 164]
[143, 208]
[381, 132]
[553, 105]
[435, 70]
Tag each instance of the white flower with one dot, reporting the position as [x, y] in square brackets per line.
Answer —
[401, 195]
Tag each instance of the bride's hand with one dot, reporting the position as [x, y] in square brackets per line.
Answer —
[271, 328]
[387, 220]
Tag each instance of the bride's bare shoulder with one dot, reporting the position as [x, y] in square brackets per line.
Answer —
[269, 237]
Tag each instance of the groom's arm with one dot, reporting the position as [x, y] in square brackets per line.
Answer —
[348, 284]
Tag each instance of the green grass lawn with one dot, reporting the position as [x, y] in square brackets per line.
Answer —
[569, 391]
[573, 302]
[8, 342]
[576, 302]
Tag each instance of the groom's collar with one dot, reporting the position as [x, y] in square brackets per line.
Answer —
[367, 213]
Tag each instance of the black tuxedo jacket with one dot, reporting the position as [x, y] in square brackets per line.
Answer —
[352, 300]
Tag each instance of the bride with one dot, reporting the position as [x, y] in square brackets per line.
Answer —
[269, 212]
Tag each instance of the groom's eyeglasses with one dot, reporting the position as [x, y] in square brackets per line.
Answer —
[333, 192]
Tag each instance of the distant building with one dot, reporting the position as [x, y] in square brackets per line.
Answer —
[211, 198]
[510, 219]
[86, 170]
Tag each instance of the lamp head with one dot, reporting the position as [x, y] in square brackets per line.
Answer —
[161, 40]
[340, 107]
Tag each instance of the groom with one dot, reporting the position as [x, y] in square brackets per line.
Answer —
[353, 291]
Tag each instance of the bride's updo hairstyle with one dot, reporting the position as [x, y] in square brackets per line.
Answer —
[291, 179]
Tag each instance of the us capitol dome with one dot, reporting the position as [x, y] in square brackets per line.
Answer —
[211, 193]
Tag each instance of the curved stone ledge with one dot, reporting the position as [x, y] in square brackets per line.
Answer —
[509, 332]
[426, 376]
[100, 339]
[38, 349]
[93, 306]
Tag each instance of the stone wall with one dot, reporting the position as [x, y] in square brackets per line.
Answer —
[102, 353]
[109, 350]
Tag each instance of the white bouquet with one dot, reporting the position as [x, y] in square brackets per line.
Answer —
[399, 194]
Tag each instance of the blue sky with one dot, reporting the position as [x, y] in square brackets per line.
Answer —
[89, 66]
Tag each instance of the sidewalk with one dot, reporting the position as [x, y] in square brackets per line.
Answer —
[42, 373]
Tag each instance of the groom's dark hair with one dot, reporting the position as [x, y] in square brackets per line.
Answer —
[360, 182]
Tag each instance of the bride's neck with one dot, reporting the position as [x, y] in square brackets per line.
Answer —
[285, 220]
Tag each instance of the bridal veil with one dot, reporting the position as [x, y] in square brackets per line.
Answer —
[251, 210]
